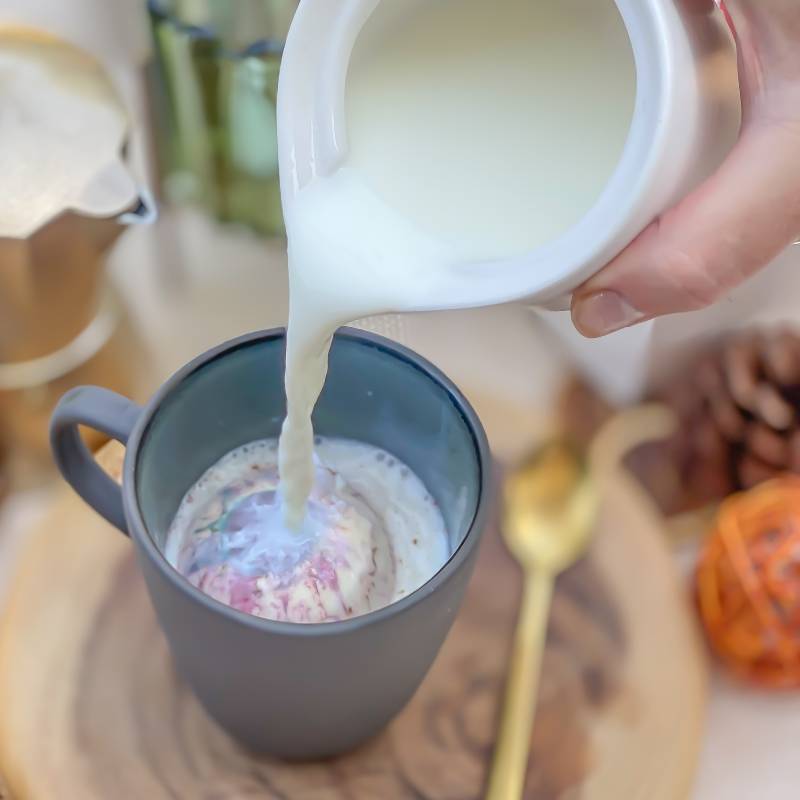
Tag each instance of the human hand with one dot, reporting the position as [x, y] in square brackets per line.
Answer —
[738, 220]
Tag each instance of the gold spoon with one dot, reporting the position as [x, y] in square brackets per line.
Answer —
[549, 507]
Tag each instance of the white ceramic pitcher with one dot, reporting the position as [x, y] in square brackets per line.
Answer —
[686, 118]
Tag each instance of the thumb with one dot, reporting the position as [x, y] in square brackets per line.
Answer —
[727, 229]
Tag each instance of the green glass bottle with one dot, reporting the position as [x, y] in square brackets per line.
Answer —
[213, 86]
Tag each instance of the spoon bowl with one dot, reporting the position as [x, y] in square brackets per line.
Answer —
[549, 503]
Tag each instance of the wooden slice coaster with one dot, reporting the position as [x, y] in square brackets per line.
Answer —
[90, 706]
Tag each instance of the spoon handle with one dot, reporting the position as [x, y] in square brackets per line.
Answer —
[510, 763]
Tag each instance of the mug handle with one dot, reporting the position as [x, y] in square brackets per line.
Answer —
[107, 412]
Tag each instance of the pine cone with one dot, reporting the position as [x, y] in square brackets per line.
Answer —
[739, 412]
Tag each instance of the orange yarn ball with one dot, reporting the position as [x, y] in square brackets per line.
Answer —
[748, 583]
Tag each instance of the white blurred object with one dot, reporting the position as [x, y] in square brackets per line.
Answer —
[114, 31]
[617, 365]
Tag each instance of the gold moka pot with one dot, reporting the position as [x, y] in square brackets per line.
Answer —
[67, 194]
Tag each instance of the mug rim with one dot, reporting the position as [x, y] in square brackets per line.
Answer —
[143, 539]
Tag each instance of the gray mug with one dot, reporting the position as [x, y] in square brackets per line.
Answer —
[292, 690]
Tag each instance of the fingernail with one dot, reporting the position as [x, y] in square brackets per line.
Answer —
[604, 312]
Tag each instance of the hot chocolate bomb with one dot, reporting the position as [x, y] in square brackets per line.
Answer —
[372, 534]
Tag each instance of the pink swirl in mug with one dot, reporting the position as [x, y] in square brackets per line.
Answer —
[372, 534]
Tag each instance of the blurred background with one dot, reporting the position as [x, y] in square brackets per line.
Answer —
[161, 235]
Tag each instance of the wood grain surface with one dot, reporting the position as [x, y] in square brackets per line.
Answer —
[90, 706]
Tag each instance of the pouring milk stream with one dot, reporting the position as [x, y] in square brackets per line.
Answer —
[461, 153]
